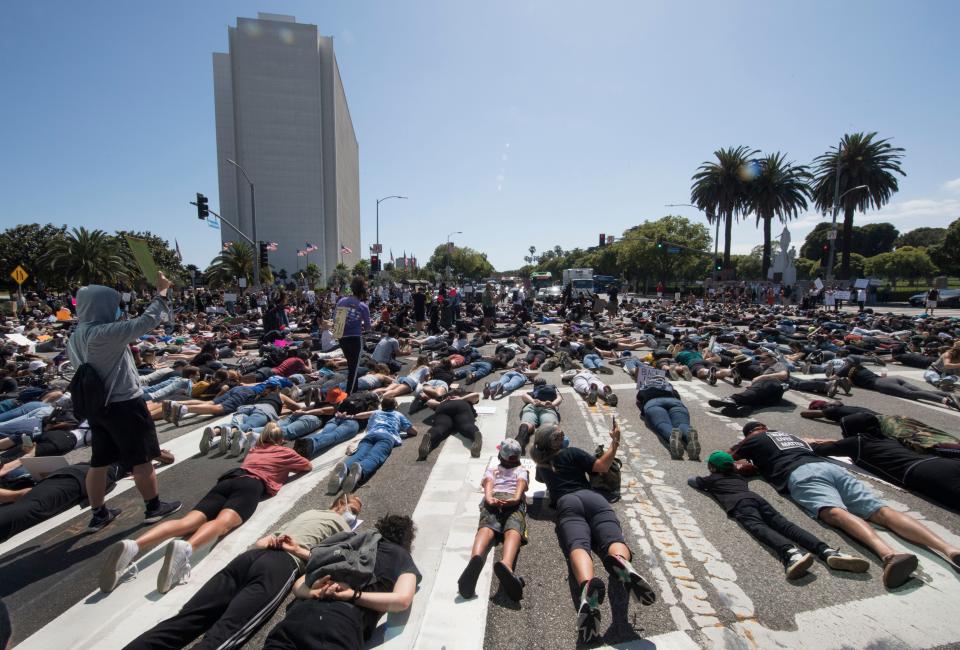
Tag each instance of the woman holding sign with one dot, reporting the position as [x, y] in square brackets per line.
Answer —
[351, 319]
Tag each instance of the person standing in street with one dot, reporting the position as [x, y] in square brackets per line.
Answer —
[861, 298]
[932, 297]
[123, 430]
[357, 320]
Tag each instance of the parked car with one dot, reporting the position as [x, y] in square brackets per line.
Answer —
[948, 298]
[550, 294]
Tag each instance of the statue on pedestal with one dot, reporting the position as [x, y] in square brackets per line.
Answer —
[782, 269]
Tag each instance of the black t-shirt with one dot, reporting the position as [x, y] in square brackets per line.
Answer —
[419, 301]
[883, 456]
[837, 413]
[344, 625]
[776, 455]
[727, 489]
[569, 471]
[273, 399]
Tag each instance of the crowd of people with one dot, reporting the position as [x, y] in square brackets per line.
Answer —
[288, 375]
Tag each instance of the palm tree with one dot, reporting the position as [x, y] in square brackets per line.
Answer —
[862, 160]
[720, 189]
[235, 261]
[779, 190]
[88, 257]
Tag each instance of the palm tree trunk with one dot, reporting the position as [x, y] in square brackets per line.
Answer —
[847, 241]
[727, 236]
[767, 218]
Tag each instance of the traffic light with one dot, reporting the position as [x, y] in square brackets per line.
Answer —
[659, 241]
[603, 239]
[203, 210]
[375, 263]
[826, 248]
[264, 256]
[718, 264]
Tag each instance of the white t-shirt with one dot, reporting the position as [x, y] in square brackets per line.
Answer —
[386, 348]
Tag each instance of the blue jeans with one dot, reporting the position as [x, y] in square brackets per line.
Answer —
[663, 414]
[592, 361]
[297, 426]
[631, 364]
[7, 404]
[30, 422]
[168, 387]
[22, 410]
[249, 417]
[480, 369]
[334, 432]
[372, 452]
[511, 380]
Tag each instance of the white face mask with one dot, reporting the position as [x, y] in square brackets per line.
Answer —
[350, 517]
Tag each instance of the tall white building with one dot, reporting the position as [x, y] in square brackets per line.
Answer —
[282, 114]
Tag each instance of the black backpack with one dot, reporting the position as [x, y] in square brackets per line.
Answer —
[360, 402]
[87, 392]
[608, 483]
[346, 557]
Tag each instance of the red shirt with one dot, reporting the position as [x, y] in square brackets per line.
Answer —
[273, 464]
[290, 366]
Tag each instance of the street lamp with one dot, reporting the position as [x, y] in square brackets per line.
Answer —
[253, 224]
[836, 209]
[379, 201]
[710, 215]
[459, 232]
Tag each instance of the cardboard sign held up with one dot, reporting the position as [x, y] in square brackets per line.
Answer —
[143, 256]
[339, 322]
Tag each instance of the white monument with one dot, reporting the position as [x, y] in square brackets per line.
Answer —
[782, 269]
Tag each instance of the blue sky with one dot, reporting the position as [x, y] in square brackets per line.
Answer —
[517, 122]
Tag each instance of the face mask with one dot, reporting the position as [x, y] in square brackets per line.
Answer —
[350, 517]
[566, 442]
[119, 313]
[509, 464]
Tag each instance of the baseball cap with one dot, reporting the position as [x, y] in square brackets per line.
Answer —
[179, 363]
[335, 395]
[510, 449]
[721, 460]
[36, 364]
[751, 425]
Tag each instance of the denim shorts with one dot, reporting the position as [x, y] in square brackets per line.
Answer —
[408, 381]
[819, 485]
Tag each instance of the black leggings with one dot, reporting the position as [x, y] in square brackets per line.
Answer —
[914, 359]
[808, 385]
[453, 416]
[351, 345]
[229, 607]
[586, 521]
[764, 393]
[50, 497]
[769, 527]
[901, 388]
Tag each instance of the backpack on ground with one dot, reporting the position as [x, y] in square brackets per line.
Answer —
[608, 483]
[349, 558]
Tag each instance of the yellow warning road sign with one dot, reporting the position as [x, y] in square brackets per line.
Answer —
[19, 274]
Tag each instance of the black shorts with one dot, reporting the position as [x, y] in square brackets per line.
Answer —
[697, 366]
[489, 312]
[238, 492]
[123, 433]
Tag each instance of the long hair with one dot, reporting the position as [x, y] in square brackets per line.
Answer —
[271, 435]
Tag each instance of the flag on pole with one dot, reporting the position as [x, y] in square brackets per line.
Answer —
[272, 246]
[176, 245]
[345, 250]
[227, 244]
[310, 247]
[391, 255]
[301, 253]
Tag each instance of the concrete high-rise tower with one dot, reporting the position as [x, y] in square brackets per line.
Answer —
[281, 113]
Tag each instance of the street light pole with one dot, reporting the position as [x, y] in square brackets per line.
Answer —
[379, 201]
[836, 210]
[716, 237]
[253, 224]
[459, 232]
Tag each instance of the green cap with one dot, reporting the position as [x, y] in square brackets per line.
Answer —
[721, 460]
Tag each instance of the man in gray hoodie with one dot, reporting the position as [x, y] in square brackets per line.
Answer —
[123, 431]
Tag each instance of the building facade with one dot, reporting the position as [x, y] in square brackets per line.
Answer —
[282, 115]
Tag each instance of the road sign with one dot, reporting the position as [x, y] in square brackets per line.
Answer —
[19, 274]
[376, 248]
[832, 234]
[673, 250]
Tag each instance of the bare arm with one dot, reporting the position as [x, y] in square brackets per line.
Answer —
[602, 464]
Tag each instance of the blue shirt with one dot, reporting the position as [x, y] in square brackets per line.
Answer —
[390, 423]
[357, 313]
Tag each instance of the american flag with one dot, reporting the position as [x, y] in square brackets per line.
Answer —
[272, 246]
[310, 247]
[345, 250]
[227, 244]
[301, 253]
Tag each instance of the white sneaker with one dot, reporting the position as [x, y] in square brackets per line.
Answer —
[119, 560]
[236, 438]
[248, 442]
[176, 566]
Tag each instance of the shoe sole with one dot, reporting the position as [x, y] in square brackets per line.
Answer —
[205, 441]
[851, 564]
[109, 577]
[801, 567]
[592, 616]
[236, 441]
[693, 446]
[163, 578]
[900, 572]
[351, 480]
[510, 582]
[424, 449]
[89, 530]
[333, 483]
[152, 519]
[592, 398]
[476, 446]
[676, 449]
[468, 579]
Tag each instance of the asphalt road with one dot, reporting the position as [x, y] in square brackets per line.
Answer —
[717, 587]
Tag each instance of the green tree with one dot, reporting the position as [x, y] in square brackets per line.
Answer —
[84, 257]
[748, 267]
[639, 259]
[946, 255]
[862, 159]
[462, 260]
[362, 267]
[24, 245]
[234, 262]
[779, 190]
[816, 243]
[339, 278]
[874, 238]
[923, 237]
[806, 269]
[906, 263]
[720, 189]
